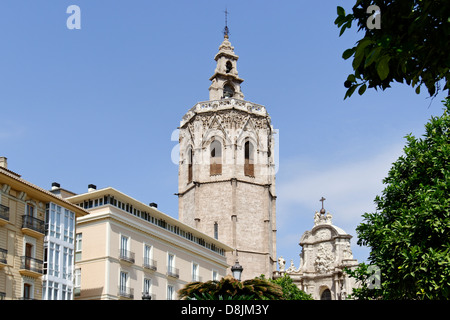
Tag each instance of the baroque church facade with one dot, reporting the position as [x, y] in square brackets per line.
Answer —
[326, 252]
[226, 185]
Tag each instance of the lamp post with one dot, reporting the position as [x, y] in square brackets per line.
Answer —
[237, 270]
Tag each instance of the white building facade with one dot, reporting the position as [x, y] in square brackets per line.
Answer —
[127, 250]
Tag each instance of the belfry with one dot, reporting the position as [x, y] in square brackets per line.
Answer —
[226, 182]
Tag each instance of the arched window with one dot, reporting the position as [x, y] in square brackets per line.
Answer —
[216, 158]
[228, 91]
[229, 66]
[190, 158]
[249, 169]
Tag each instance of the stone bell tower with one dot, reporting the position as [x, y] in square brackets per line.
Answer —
[226, 182]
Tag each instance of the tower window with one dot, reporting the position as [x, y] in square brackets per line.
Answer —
[228, 91]
[216, 230]
[228, 66]
[190, 161]
[249, 169]
[216, 158]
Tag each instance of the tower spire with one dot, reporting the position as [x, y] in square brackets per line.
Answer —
[226, 30]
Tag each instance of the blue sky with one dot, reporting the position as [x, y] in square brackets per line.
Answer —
[99, 105]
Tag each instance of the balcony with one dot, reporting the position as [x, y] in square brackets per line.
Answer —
[4, 215]
[173, 272]
[3, 260]
[126, 255]
[32, 226]
[126, 292]
[30, 267]
[150, 264]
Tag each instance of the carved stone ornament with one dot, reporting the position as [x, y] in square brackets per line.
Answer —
[281, 263]
[324, 260]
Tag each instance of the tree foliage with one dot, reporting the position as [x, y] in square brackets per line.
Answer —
[229, 288]
[409, 235]
[412, 44]
[290, 290]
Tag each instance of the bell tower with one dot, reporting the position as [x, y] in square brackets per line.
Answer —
[226, 181]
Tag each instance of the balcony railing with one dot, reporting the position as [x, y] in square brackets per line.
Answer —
[126, 255]
[4, 212]
[148, 296]
[31, 264]
[173, 272]
[32, 223]
[150, 264]
[126, 292]
[196, 278]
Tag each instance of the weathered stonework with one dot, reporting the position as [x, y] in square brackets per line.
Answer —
[228, 191]
[325, 253]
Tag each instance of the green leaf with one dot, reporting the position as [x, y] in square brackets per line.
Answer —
[348, 53]
[383, 67]
[340, 11]
[359, 53]
[373, 55]
[351, 78]
[350, 91]
[362, 89]
[348, 25]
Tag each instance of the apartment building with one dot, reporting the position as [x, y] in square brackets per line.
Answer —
[126, 249]
[36, 240]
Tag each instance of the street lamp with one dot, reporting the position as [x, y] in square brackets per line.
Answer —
[237, 270]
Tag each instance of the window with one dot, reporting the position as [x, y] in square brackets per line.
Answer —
[170, 261]
[68, 226]
[216, 230]
[216, 158]
[148, 257]
[228, 66]
[249, 169]
[57, 260]
[124, 245]
[27, 291]
[147, 286]
[170, 292]
[171, 270]
[53, 259]
[67, 263]
[77, 281]
[30, 210]
[190, 161]
[57, 223]
[195, 275]
[123, 283]
[215, 275]
[64, 293]
[78, 245]
[228, 91]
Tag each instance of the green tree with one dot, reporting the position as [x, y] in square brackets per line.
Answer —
[290, 290]
[412, 44]
[409, 234]
[229, 288]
